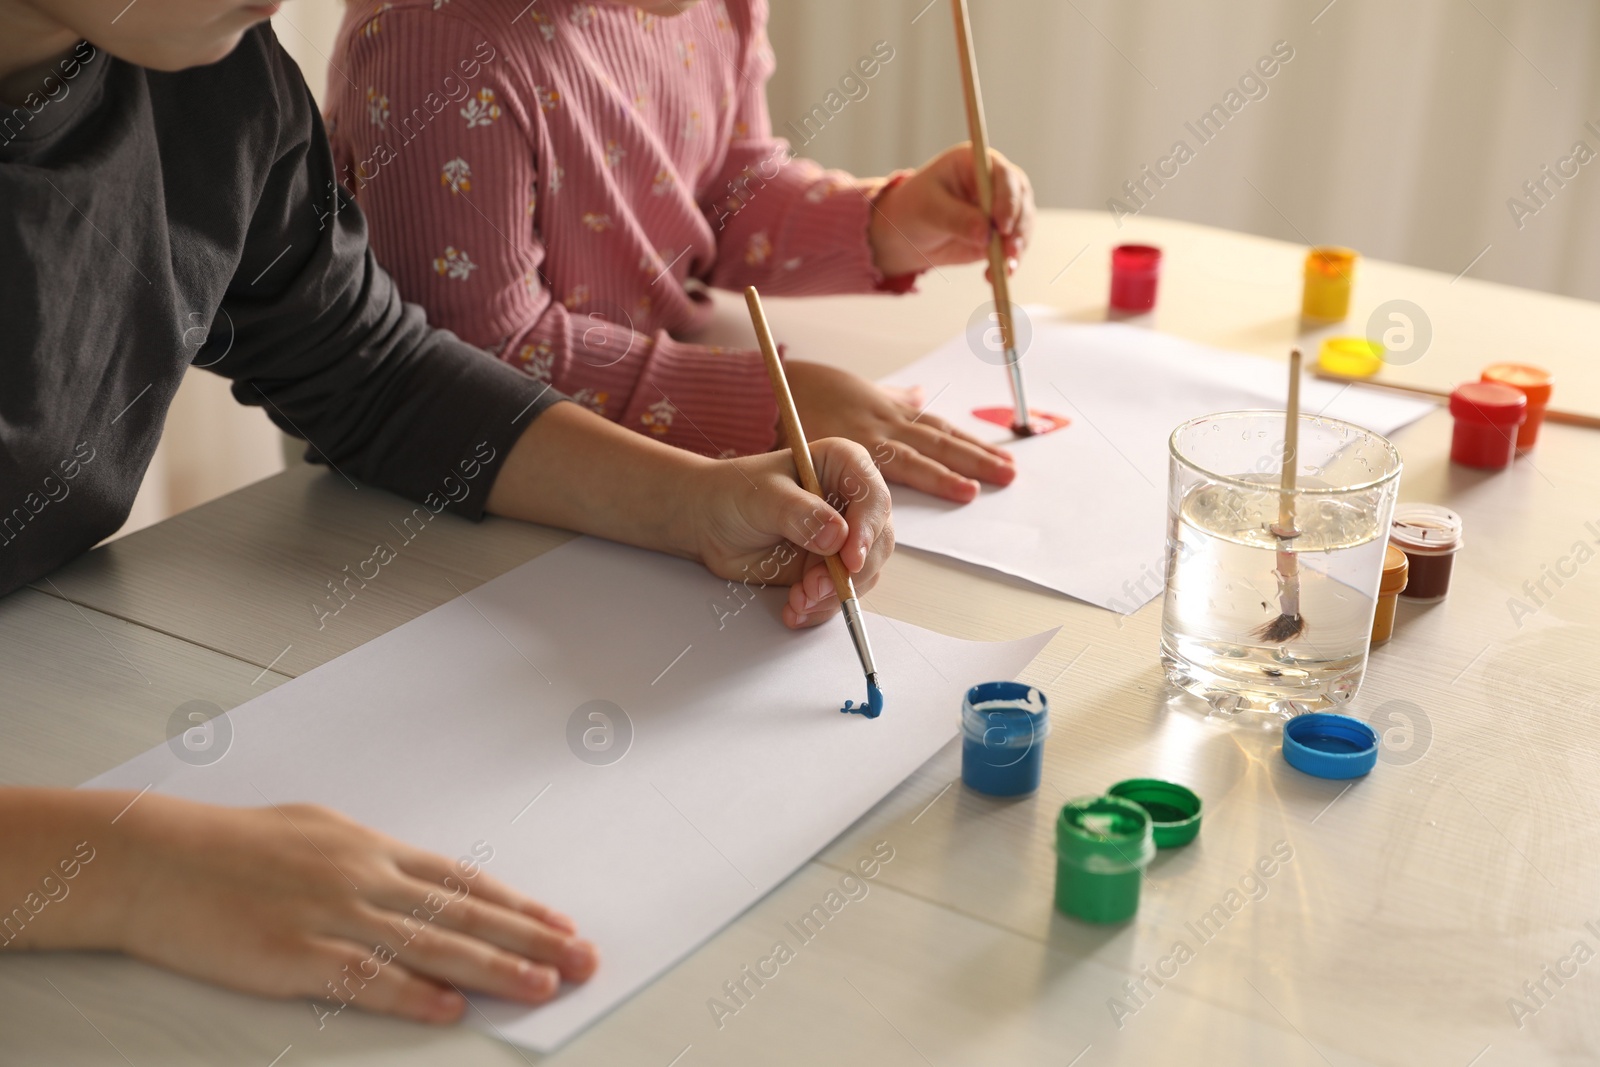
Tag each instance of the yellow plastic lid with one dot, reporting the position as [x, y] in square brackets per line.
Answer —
[1350, 357]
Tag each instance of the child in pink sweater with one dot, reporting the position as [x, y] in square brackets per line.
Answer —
[559, 182]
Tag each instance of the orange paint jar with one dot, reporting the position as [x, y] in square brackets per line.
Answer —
[1396, 570]
[1533, 383]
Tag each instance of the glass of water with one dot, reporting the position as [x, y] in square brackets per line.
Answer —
[1236, 573]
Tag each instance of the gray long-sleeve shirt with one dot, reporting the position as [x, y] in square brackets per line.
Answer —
[152, 220]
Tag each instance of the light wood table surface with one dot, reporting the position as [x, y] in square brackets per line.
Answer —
[1415, 905]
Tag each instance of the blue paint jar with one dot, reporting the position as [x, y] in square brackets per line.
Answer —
[1003, 728]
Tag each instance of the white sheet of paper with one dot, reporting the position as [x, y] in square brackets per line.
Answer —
[444, 731]
[1087, 513]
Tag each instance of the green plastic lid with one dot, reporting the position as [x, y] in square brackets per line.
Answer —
[1174, 809]
[1103, 845]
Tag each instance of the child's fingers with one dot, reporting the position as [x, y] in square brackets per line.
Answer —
[439, 953]
[1011, 265]
[814, 594]
[912, 468]
[847, 475]
[1010, 195]
[800, 517]
[575, 958]
[956, 217]
[497, 892]
[337, 973]
[963, 457]
[812, 600]
[910, 396]
[483, 886]
[944, 426]
[1007, 196]
[1013, 205]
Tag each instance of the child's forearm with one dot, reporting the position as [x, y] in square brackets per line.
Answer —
[737, 516]
[573, 469]
[59, 880]
[790, 227]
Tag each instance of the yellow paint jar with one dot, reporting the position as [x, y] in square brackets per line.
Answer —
[1330, 271]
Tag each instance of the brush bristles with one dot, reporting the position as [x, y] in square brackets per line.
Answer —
[1283, 628]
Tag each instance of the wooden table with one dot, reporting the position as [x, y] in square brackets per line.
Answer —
[1415, 903]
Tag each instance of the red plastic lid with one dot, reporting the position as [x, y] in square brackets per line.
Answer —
[1490, 403]
[1135, 258]
[1532, 382]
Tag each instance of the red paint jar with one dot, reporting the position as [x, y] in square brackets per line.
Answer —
[1430, 536]
[1533, 383]
[1488, 416]
[1135, 270]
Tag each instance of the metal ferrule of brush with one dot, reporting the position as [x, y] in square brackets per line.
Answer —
[858, 634]
[1014, 368]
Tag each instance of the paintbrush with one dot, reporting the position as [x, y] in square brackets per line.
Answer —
[1567, 418]
[977, 132]
[1290, 623]
[872, 707]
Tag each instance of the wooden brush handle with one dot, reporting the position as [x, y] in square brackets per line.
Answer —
[1291, 427]
[1409, 390]
[792, 430]
[1291, 445]
[977, 129]
[1002, 289]
[1566, 418]
[978, 134]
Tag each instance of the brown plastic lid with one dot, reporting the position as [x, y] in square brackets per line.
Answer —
[1427, 529]
[1396, 571]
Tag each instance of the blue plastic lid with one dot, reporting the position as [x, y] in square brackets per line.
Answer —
[1330, 746]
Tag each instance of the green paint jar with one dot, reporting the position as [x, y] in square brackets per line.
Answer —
[1103, 845]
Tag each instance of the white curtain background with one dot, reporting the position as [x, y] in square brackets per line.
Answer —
[1401, 130]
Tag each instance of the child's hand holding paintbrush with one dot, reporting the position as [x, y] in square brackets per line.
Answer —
[935, 216]
[851, 527]
[838, 572]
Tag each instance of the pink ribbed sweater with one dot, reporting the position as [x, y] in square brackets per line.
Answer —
[558, 182]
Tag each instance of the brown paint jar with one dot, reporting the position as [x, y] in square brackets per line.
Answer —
[1396, 568]
[1430, 536]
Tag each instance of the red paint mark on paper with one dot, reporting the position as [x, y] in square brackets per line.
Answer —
[1042, 421]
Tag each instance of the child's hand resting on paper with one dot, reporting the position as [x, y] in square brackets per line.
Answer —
[932, 218]
[911, 448]
[294, 900]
